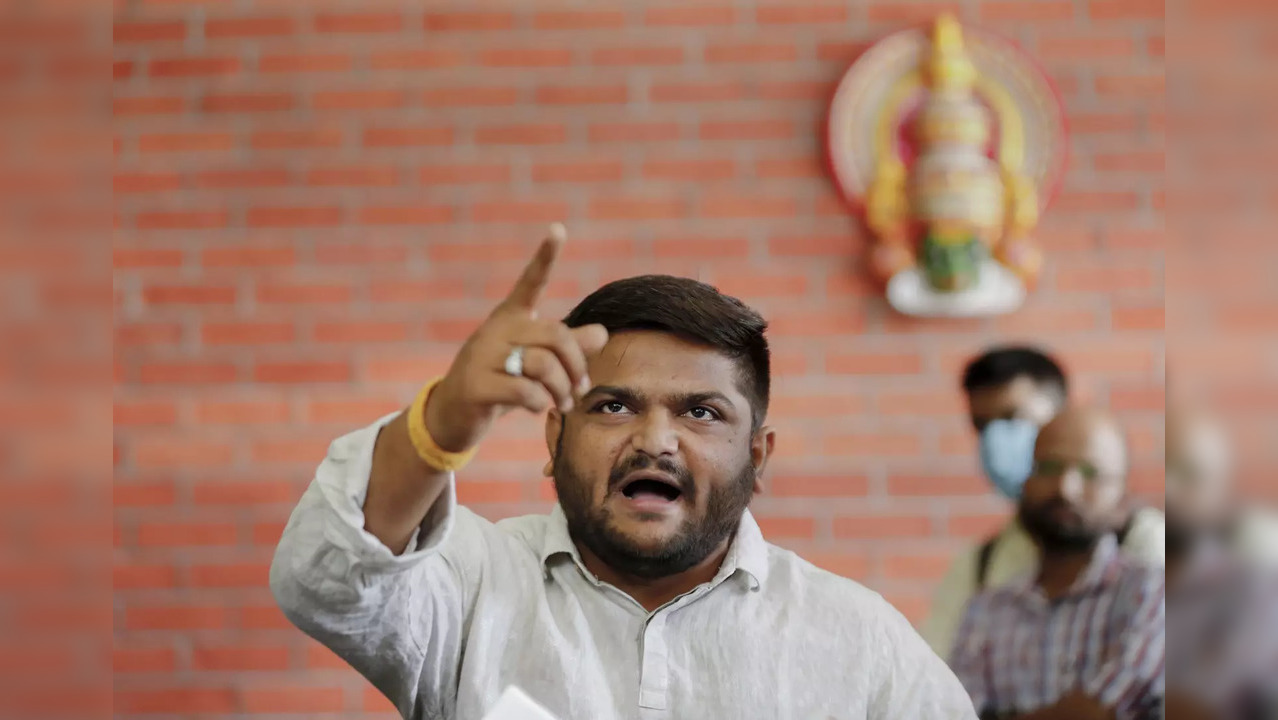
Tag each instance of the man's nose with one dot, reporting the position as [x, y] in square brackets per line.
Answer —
[656, 434]
[1072, 484]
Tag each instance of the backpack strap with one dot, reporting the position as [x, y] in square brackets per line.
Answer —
[983, 562]
[1126, 529]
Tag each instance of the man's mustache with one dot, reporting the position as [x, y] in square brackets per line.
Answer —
[646, 462]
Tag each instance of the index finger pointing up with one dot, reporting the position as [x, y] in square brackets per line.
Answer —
[532, 282]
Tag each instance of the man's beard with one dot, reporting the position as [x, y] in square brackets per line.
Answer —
[1054, 537]
[690, 545]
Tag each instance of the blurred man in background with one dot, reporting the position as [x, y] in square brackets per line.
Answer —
[1222, 608]
[1012, 392]
[1081, 635]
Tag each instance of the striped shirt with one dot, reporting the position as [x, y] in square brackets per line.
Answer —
[1018, 651]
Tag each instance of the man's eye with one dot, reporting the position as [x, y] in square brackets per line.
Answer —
[703, 413]
[612, 407]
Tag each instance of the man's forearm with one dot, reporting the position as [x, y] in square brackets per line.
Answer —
[401, 487]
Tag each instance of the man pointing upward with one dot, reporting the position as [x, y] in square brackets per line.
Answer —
[648, 591]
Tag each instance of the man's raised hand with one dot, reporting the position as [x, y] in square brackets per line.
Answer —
[550, 357]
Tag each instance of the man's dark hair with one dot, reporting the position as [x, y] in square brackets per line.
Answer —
[694, 311]
[999, 366]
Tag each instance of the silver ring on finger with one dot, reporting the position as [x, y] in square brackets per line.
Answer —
[515, 362]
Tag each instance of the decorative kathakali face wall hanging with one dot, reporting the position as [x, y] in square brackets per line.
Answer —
[951, 143]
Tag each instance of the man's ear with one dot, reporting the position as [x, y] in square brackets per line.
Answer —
[761, 446]
[554, 426]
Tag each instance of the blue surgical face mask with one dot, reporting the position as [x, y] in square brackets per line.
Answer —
[1007, 454]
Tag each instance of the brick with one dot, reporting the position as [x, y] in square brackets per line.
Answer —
[249, 27]
[579, 20]
[186, 534]
[319, 657]
[848, 565]
[975, 527]
[814, 246]
[174, 453]
[1048, 320]
[468, 21]
[697, 92]
[747, 130]
[355, 176]
[1148, 161]
[268, 533]
[919, 403]
[1139, 318]
[120, 70]
[526, 58]
[940, 486]
[1112, 359]
[634, 132]
[302, 372]
[518, 211]
[247, 103]
[1104, 278]
[287, 217]
[230, 576]
[795, 90]
[181, 220]
[147, 334]
[406, 215]
[1138, 399]
[470, 96]
[361, 332]
[801, 14]
[418, 292]
[1131, 86]
[751, 52]
[544, 134]
[916, 565]
[148, 105]
[300, 452]
[842, 52]
[303, 293]
[139, 577]
[455, 331]
[359, 23]
[490, 492]
[789, 167]
[361, 253]
[143, 660]
[897, 11]
[250, 256]
[187, 373]
[310, 63]
[873, 527]
[242, 412]
[1156, 46]
[1103, 123]
[294, 700]
[637, 56]
[194, 67]
[189, 294]
[708, 248]
[347, 412]
[587, 171]
[359, 100]
[245, 179]
[747, 206]
[408, 137]
[786, 527]
[423, 59]
[817, 323]
[690, 16]
[316, 138]
[873, 444]
[268, 617]
[127, 183]
[1045, 11]
[185, 142]
[1126, 9]
[125, 33]
[176, 701]
[819, 486]
[636, 208]
[874, 364]
[1083, 201]
[1085, 49]
[581, 94]
[689, 170]
[144, 412]
[240, 658]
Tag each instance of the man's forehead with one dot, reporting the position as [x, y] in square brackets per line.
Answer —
[663, 362]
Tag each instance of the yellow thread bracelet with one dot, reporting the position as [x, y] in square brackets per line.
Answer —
[427, 450]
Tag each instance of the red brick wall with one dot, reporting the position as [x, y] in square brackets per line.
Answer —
[317, 202]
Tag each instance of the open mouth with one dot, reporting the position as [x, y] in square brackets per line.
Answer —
[651, 488]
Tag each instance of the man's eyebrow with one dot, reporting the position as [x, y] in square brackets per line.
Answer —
[698, 398]
[616, 391]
